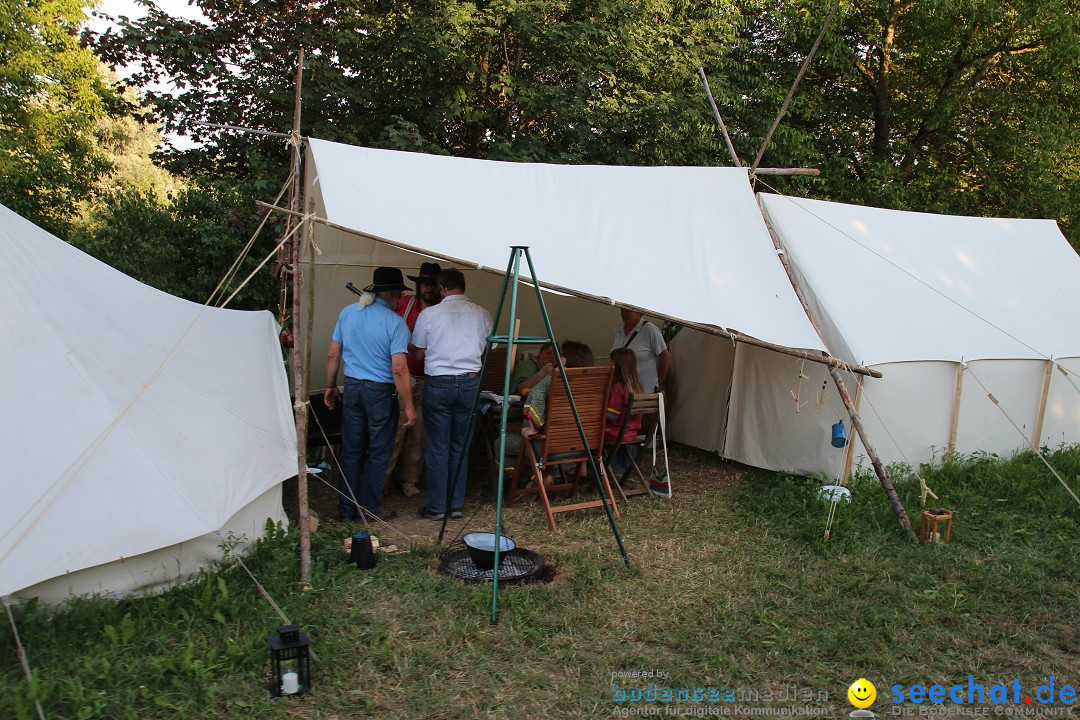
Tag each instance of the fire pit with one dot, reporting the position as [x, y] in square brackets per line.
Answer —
[515, 566]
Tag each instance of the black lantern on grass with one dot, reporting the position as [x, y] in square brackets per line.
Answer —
[290, 671]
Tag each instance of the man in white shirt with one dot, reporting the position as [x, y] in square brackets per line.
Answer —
[450, 339]
[648, 345]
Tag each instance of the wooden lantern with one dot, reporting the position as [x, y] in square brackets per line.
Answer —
[936, 525]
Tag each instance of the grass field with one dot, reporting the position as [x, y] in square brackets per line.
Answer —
[732, 587]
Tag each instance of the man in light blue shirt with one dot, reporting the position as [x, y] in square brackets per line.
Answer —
[374, 340]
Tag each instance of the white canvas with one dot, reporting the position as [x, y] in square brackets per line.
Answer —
[136, 420]
[682, 242]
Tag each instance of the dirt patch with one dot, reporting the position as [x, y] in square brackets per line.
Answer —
[694, 473]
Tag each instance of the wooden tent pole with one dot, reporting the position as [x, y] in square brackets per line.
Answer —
[849, 454]
[794, 85]
[1036, 438]
[856, 421]
[954, 428]
[300, 406]
[719, 120]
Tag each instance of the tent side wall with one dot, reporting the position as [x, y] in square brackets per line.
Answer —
[1061, 418]
[764, 427]
[907, 413]
[700, 375]
[740, 401]
[158, 570]
[988, 426]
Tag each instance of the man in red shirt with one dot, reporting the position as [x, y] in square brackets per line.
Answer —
[409, 442]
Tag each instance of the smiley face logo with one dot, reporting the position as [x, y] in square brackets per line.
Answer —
[862, 693]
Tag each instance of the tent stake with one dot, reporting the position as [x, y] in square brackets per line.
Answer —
[300, 406]
[856, 421]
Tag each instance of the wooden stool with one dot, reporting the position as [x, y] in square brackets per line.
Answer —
[934, 521]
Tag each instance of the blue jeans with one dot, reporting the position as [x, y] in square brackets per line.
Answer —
[620, 463]
[448, 399]
[368, 422]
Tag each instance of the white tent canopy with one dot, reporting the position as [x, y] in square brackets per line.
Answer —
[897, 286]
[951, 310]
[682, 242]
[140, 429]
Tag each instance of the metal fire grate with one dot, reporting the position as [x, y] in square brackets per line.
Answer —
[517, 566]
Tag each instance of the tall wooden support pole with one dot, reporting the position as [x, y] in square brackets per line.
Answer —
[871, 452]
[856, 421]
[1036, 438]
[719, 120]
[849, 453]
[954, 428]
[300, 391]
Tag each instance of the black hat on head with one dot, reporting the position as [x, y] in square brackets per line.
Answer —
[386, 279]
[429, 273]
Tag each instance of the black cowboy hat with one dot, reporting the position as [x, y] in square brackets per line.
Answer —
[429, 273]
[386, 279]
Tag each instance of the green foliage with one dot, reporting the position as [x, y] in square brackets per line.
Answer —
[962, 108]
[998, 501]
[51, 96]
[554, 80]
[186, 243]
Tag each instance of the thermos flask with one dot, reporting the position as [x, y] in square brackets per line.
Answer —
[362, 553]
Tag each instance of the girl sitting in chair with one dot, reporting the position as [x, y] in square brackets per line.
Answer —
[624, 383]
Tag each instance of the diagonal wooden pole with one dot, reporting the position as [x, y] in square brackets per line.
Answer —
[841, 387]
[719, 120]
[791, 92]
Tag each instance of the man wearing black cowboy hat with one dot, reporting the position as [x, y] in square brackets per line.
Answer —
[373, 340]
[409, 443]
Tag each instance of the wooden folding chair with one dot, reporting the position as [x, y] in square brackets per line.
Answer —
[560, 443]
[645, 405]
[486, 423]
[495, 372]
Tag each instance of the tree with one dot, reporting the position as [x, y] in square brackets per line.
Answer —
[612, 81]
[965, 108]
[185, 244]
[51, 97]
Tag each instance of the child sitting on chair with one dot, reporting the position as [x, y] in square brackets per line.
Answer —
[624, 383]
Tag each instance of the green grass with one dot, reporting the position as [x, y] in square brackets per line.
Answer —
[732, 586]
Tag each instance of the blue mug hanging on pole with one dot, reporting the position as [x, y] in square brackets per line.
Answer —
[839, 435]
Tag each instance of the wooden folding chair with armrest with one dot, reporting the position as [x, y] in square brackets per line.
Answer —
[644, 405]
[560, 442]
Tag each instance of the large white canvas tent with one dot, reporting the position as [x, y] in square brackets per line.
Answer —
[690, 244]
[140, 430]
[951, 310]
[681, 242]
[685, 243]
